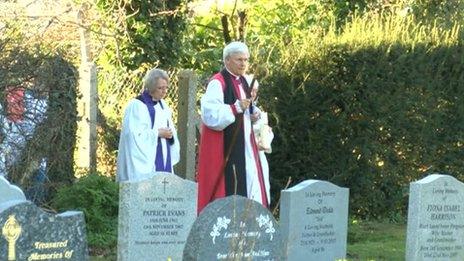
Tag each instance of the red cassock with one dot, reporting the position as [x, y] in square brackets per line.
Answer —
[210, 172]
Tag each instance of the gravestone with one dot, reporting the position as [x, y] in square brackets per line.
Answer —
[9, 192]
[155, 216]
[314, 221]
[435, 219]
[29, 233]
[234, 228]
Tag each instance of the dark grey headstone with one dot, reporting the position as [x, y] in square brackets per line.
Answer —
[435, 219]
[234, 228]
[9, 192]
[29, 233]
[314, 221]
[155, 217]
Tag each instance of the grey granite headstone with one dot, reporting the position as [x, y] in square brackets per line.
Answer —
[155, 217]
[435, 219]
[234, 228]
[29, 233]
[9, 192]
[314, 221]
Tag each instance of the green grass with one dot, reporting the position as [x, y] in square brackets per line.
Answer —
[367, 241]
[100, 254]
[109, 257]
[376, 241]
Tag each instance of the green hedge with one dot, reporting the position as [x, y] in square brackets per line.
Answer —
[97, 196]
[371, 111]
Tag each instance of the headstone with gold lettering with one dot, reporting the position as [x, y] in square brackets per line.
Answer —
[155, 217]
[435, 219]
[29, 233]
[314, 221]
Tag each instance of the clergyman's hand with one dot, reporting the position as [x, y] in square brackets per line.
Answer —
[165, 133]
[244, 104]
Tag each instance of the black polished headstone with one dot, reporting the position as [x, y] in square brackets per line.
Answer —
[234, 228]
[29, 233]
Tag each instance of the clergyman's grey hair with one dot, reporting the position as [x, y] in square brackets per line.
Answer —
[234, 47]
[152, 77]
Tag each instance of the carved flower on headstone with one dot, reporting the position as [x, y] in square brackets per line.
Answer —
[262, 220]
[265, 221]
[221, 223]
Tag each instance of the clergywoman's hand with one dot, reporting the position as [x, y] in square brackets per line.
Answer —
[165, 133]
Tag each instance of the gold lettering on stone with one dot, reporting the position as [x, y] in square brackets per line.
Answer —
[46, 245]
[59, 251]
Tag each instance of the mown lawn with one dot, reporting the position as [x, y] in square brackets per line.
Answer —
[376, 241]
[367, 241]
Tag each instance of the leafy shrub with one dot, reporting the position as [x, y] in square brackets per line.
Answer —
[371, 109]
[97, 197]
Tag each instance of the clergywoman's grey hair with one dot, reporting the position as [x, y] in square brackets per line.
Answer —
[152, 77]
[234, 47]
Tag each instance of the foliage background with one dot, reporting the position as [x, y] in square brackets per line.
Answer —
[144, 34]
[374, 112]
[365, 94]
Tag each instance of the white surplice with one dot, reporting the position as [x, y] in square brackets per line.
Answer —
[264, 135]
[138, 141]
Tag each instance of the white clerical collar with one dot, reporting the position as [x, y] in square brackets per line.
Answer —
[237, 77]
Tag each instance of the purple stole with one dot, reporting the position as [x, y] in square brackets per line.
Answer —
[159, 162]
